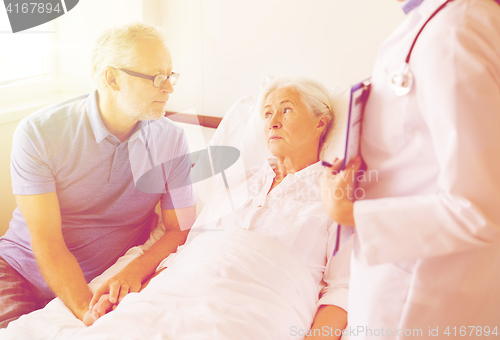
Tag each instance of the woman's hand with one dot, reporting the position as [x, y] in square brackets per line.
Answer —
[329, 323]
[337, 191]
[102, 307]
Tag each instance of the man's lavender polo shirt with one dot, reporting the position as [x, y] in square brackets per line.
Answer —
[67, 149]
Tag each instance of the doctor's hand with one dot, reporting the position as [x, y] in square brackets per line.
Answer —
[337, 191]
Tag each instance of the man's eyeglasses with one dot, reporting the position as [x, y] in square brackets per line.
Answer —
[158, 81]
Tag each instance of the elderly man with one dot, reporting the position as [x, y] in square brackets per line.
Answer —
[74, 168]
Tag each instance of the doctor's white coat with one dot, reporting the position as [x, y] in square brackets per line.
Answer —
[427, 247]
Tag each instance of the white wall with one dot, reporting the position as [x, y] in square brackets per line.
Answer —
[223, 48]
[77, 31]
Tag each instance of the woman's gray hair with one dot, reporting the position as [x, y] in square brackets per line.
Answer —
[314, 95]
[115, 47]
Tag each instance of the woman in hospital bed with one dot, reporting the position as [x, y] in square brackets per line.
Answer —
[259, 255]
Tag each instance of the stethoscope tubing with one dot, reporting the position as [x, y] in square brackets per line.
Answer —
[402, 81]
[422, 28]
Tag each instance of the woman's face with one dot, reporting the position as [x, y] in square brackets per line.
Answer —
[289, 128]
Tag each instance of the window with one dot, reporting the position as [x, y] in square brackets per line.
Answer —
[26, 61]
[24, 57]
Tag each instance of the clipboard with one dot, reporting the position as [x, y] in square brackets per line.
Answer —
[359, 96]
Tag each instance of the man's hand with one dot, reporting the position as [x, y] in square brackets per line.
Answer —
[337, 191]
[58, 266]
[127, 281]
[142, 268]
[104, 305]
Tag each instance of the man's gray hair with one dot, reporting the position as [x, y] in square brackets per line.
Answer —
[314, 95]
[115, 47]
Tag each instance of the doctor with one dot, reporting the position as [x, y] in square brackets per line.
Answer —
[426, 260]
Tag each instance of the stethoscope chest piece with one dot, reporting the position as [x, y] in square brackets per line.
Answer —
[401, 80]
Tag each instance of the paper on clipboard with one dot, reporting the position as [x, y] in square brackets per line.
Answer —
[359, 96]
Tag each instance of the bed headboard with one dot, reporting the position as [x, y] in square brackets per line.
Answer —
[205, 121]
[199, 129]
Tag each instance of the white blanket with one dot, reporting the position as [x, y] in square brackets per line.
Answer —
[222, 285]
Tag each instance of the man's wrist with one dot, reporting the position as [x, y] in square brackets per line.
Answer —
[80, 313]
[81, 307]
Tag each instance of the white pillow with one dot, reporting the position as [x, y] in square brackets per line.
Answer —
[336, 144]
[243, 128]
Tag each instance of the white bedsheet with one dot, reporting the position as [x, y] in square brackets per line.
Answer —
[56, 321]
[223, 285]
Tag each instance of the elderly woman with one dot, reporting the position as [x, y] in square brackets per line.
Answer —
[257, 263]
[298, 118]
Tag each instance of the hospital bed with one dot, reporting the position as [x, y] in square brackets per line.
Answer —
[241, 128]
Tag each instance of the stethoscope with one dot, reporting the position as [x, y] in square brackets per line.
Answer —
[402, 80]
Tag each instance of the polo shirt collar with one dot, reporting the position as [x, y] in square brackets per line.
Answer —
[98, 128]
[141, 131]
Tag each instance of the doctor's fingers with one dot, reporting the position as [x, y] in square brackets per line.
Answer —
[340, 186]
[351, 171]
[334, 172]
[335, 167]
[330, 179]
